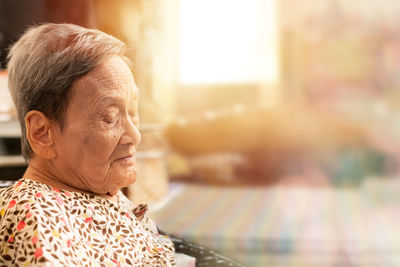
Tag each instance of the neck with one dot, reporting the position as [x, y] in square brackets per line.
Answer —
[37, 173]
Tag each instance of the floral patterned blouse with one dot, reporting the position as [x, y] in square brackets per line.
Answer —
[45, 226]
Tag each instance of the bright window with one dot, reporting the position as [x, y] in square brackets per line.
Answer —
[227, 41]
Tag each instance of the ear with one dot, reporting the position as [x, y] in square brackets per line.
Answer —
[39, 131]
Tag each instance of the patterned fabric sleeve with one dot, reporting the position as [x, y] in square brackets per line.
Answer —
[159, 242]
[21, 245]
[45, 226]
[140, 212]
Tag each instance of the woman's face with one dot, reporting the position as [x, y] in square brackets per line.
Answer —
[97, 144]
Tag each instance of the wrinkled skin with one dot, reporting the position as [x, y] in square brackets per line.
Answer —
[95, 149]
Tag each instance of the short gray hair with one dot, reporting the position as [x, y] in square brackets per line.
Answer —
[44, 63]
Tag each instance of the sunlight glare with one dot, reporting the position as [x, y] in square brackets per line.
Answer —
[227, 41]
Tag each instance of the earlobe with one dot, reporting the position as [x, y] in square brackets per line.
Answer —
[39, 133]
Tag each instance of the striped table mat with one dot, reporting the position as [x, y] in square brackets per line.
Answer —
[290, 226]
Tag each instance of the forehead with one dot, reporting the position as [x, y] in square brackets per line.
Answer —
[113, 78]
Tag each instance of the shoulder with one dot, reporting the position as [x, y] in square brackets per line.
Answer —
[19, 226]
[28, 199]
[17, 199]
[38, 227]
[25, 196]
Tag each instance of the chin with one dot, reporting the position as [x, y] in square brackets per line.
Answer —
[118, 180]
[130, 178]
[126, 180]
[130, 181]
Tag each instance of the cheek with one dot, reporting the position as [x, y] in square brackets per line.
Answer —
[101, 146]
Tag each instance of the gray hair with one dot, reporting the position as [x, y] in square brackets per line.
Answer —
[44, 63]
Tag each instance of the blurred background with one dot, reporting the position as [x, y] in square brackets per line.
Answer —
[270, 128]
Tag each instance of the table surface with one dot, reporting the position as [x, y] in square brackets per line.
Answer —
[289, 226]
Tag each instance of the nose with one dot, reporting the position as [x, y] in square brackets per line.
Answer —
[131, 133]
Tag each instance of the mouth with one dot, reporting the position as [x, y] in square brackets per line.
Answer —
[127, 159]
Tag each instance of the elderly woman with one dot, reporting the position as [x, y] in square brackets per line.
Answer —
[77, 104]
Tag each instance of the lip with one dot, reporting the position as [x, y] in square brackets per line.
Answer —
[129, 159]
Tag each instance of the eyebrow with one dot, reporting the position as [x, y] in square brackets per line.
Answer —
[115, 99]
[108, 100]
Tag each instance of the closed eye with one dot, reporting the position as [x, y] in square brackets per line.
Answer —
[109, 119]
[111, 115]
